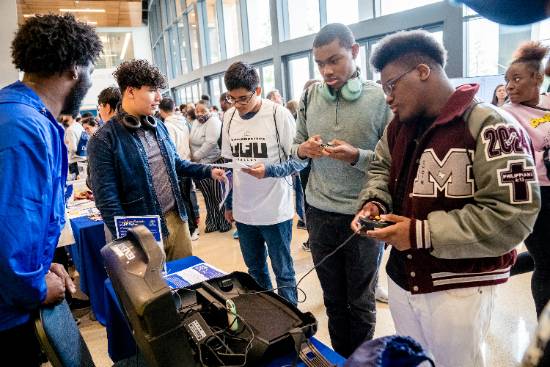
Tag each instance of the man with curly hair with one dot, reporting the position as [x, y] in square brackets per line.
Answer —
[57, 54]
[457, 179]
[134, 165]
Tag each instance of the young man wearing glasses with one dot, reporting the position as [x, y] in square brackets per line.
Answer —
[459, 179]
[257, 132]
[350, 115]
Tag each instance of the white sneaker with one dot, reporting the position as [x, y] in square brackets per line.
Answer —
[381, 294]
[195, 235]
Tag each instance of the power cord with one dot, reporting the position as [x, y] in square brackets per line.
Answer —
[297, 286]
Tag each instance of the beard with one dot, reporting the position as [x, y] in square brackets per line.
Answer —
[72, 103]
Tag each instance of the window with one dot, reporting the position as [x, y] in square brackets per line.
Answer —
[170, 68]
[194, 38]
[182, 32]
[188, 95]
[117, 47]
[303, 17]
[490, 46]
[342, 11]
[395, 6]
[196, 94]
[214, 87]
[168, 11]
[176, 59]
[298, 75]
[180, 7]
[159, 56]
[212, 32]
[482, 51]
[232, 28]
[259, 25]
[268, 78]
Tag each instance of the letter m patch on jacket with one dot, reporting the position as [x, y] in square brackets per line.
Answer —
[451, 175]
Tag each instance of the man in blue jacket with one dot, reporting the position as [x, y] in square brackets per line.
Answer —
[134, 165]
[57, 54]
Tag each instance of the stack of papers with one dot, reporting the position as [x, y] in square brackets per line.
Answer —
[195, 274]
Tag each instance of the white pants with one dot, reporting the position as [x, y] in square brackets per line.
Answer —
[451, 325]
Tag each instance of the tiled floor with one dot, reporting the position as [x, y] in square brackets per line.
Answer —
[513, 320]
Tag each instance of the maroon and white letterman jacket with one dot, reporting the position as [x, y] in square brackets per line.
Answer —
[468, 182]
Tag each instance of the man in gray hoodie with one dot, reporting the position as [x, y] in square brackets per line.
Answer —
[339, 124]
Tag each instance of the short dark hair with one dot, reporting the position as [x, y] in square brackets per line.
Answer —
[333, 31]
[51, 44]
[91, 120]
[137, 74]
[205, 97]
[87, 114]
[110, 96]
[223, 97]
[167, 104]
[215, 108]
[409, 47]
[241, 75]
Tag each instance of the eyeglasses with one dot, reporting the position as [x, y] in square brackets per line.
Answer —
[240, 100]
[389, 86]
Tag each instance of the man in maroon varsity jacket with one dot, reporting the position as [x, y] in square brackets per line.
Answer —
[459, 181]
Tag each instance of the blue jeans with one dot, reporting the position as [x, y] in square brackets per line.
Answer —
[348, 278]
[277, 237]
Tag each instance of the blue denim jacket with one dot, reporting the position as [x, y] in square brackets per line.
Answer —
[121, 178]
[33, 166]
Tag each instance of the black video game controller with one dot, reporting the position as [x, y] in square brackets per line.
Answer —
[369, 224]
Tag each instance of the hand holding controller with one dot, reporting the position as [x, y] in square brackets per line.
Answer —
[370, 224]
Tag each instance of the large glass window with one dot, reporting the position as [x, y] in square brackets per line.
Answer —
[395, 6]
[194, 38]
[175, 51]
[170, 68]
[232, 28]
[342, 11]
[298, 75]
[259, 24]
[490, 46]
[303, 17]
[182, 33]
[168, 11]
[180, 7]
[212, 31]
[214, 87]
[268, 78]
[117, 47]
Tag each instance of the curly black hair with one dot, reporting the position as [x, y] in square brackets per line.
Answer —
[241, 75]
[50, 44]
[416, 46]
[138, 73]
[110, 96]
[531, 53]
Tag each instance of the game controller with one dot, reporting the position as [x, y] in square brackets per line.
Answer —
[371, 224]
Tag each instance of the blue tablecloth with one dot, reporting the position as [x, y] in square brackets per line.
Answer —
[89, 239]
[121, 343]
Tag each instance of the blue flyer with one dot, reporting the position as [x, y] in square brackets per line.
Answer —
[152, 222]
[175, 281]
